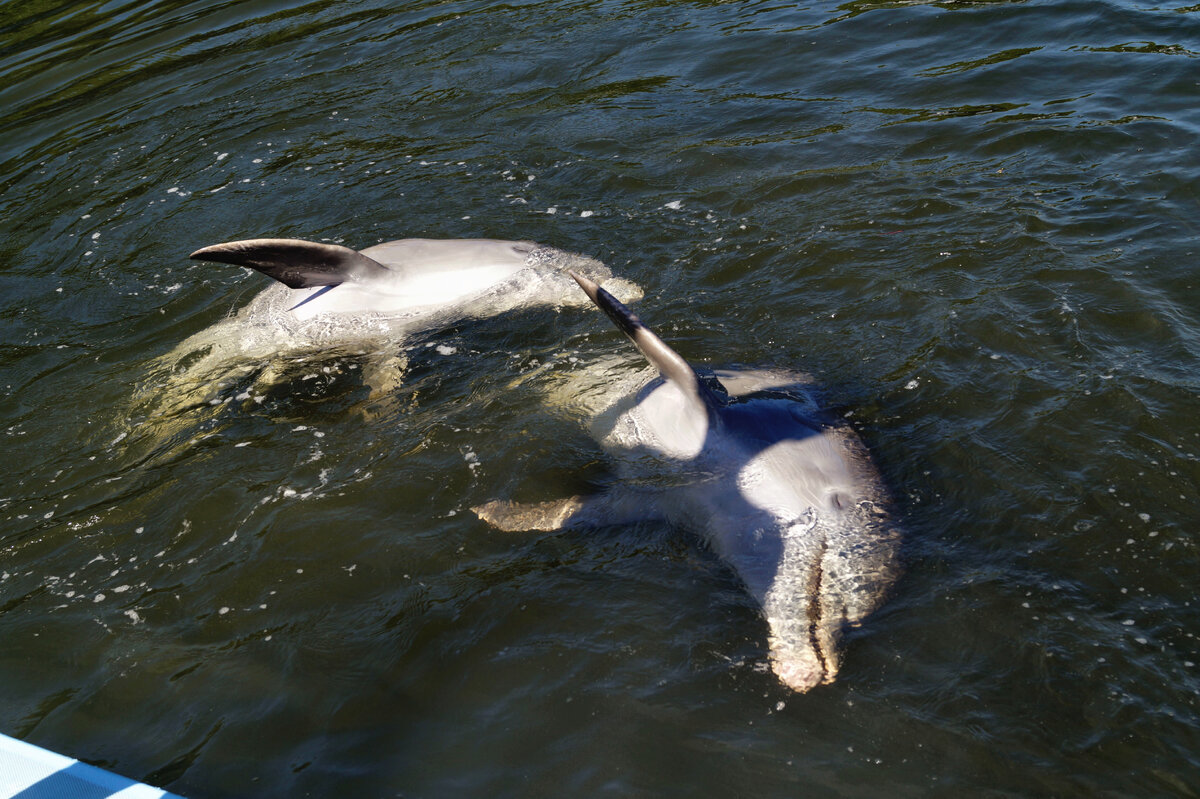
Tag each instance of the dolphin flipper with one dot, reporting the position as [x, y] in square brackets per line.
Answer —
[296, 263]
[571, 513]
[670, 364]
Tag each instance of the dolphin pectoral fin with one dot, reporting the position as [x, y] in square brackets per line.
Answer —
[314, 296]
[594, 510]
[383, 373]
[383, 376]
[296, 263]
[516, 517]
[670, 364]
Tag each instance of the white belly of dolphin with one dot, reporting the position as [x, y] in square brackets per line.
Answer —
[423, 290]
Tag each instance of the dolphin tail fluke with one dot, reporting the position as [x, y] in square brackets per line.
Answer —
[296, 263]
[670, 364]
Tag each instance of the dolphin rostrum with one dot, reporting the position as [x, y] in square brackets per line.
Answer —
[328, 296]
[782, 491]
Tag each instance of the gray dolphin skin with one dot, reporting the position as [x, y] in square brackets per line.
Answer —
[406, 283]
[783, 492]
[330, 299]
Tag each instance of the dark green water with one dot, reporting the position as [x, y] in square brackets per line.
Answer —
[974, 221]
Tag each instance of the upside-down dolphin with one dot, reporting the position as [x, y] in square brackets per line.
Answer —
[781, 490]
[328, 296]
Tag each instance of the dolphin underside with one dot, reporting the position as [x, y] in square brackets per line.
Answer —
[781, 490]
[328, 301]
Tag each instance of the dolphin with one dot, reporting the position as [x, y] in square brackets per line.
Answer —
[779, 488]
[328, 297]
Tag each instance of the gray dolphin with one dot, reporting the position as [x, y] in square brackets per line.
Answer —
[401, 285]
[409, 282]
[328, 296]
[781, 490]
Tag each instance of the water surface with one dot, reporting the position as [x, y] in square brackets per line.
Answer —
[974, 222]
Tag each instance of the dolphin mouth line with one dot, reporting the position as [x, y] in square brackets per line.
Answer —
[814, 609]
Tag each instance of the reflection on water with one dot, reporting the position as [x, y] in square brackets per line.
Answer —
[974, 222]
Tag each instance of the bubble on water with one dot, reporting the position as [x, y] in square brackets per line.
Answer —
[674, 205]
[445, 349]
[472, 459]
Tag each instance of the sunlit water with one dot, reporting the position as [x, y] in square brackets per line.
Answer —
[973, 222]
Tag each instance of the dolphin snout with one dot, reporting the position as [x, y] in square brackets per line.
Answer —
[626, 291]
[803, 653]
[799, 675]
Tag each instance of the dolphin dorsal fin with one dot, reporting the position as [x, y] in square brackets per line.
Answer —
[669, 363]
[296, 263]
